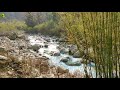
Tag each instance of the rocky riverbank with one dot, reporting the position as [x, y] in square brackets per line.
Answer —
[19, 60]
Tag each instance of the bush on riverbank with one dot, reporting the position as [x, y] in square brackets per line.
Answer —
[46, 28]
[11, 26]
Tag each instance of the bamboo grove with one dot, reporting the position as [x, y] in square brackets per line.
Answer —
[98, 33]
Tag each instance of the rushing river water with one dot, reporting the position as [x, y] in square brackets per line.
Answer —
[55, 60]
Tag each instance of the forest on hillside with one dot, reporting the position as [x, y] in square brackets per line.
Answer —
[59, 44]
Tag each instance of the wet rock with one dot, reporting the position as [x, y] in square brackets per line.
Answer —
[70, 63]
[46, 46]
[57, 40]
[56, 54]
[66, 59]
[41, 46]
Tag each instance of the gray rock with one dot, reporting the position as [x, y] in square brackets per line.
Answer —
[70, 63]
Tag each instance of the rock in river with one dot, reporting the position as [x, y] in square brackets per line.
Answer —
[66, 59]
[56, 54]
[46, 46]
[70, 63]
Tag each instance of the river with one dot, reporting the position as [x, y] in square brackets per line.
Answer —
[55, 60]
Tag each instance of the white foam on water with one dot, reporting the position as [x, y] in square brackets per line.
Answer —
[55, 60]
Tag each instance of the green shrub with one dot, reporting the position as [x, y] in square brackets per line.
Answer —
[48, 28]
[12, 25]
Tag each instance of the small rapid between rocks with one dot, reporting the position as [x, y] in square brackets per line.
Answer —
[52, 47]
